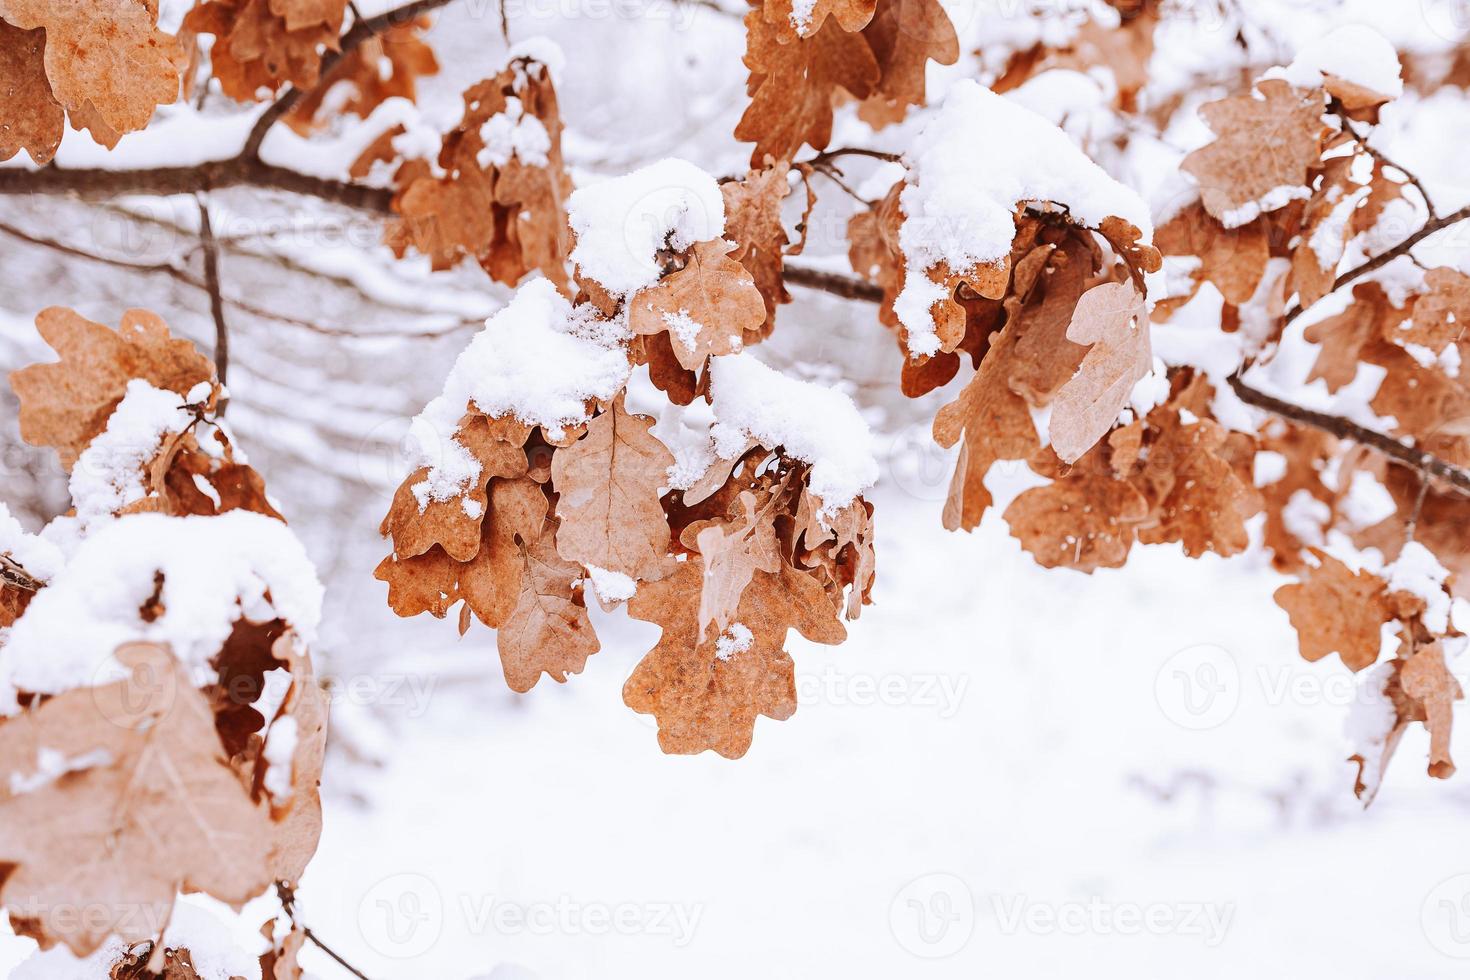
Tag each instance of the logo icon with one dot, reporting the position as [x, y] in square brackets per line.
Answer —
[1445, 917]
[401, 916]
[1198, 687]
[933, 916]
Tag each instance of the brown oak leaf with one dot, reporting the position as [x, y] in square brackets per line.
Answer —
[706, 308]
[548, 631]
[152, 809]
[30, 117]
[1337, 610]
[1111, 318]
[1266, 142]
[905, 36]
[66, 404]
[703, 699]
[609, 482]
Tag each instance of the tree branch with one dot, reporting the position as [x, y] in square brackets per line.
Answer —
[1344, 429]
[211, 176]
[847, 287]
[1431, 227]
[216, 301]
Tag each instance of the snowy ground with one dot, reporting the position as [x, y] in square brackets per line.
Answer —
[1004, 769]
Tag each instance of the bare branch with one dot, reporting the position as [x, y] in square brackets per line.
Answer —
[1344, 429]
[216, 301]
[847, 287]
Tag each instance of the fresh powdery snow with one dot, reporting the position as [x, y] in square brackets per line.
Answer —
[622, 223]
[1354, 53]
[1419, 573]
[978, 157]
[215, 570]
[109, 474]
[815, 424]
[513, 133]
[529, 362]
[611, 586]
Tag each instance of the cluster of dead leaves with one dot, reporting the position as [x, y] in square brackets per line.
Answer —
[162, 781]
[725, 567]
[490, 195]
[261, 46]
[1172, 476]
[1125, 49]
[545, 522]
[1282, 180]
[383, 67]
[105, 64]
[871, 50]
[1335, 609]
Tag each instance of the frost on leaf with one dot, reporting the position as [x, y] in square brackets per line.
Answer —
[66, 404]
[262, 45]
[1266, 141]
[105, 60]
[499, 191]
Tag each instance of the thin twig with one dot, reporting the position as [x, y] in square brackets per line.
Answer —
[853, 151]
[847, 287]
[216, 300]
[1383, 158]
[1336, 425]
[287, 896]
[1431, 227]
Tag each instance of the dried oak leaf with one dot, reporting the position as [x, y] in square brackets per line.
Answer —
[1343, 336]
[706, 308]
[491, 582]
[793, 85]
[1195, 495]
[753, 223]
[1440, 313]
[1085, 519]
[1113, 319]
[704, 700]
[417, 521]
[66, 404]
[281, 961]
[905, 36]
[1428, 683]
[548, 631]
[106, 60]
[1046, 284]
[1233, 259]
[609, 483]
[1266, 142]
[506, 208]
[30, 117]
[151, 808]
[385, 66]
[731, 554]
[995, 424]
[1337, 610]
[265, 44]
